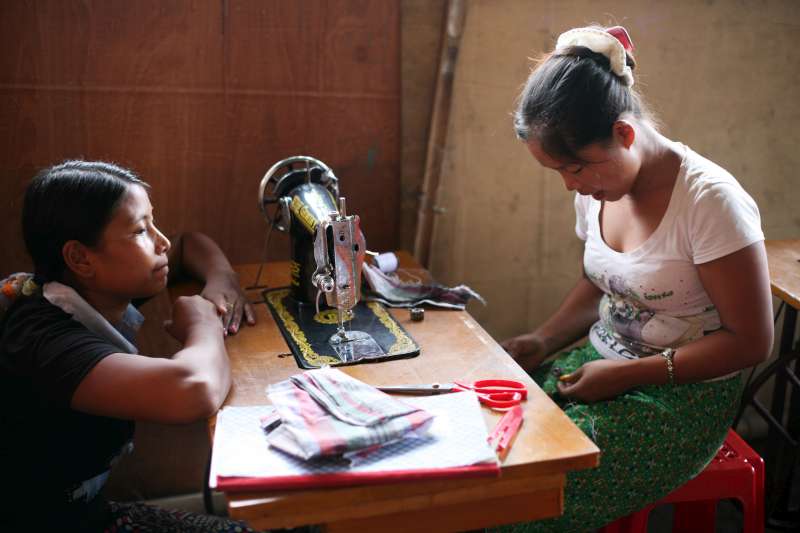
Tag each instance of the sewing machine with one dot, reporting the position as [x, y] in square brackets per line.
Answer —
[300, 195]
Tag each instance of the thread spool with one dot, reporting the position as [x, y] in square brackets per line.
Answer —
[386, 263]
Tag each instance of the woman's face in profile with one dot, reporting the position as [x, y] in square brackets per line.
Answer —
[131, 258]
[605, 170]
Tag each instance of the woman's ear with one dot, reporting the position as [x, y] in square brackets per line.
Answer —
[624, 132]
[78, 260]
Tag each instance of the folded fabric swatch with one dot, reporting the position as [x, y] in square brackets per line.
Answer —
[326, 412]
[390, 290]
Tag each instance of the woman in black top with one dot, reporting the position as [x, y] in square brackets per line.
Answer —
[71, 381]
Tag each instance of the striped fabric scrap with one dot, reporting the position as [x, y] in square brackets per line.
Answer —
[325, 412]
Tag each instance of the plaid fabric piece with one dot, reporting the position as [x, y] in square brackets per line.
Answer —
[326, 412]
[392, 291]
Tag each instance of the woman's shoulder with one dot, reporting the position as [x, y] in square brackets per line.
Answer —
[37, 338]
[720, 216]
[30, 316]
[34, 306]
[703, 176]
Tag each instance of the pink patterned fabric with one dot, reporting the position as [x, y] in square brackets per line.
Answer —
[326, 412]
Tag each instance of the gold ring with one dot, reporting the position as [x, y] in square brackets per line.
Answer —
[228, 307]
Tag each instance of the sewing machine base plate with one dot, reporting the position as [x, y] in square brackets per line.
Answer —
[353, 346]
[308, 333]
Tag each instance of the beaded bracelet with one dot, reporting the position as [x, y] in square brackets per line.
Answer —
[669, 355]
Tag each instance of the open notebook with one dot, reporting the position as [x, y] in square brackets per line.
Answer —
[456, 446]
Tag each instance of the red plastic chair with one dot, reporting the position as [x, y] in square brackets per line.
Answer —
[735, 472]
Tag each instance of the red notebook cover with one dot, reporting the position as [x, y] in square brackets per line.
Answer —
[248, 484]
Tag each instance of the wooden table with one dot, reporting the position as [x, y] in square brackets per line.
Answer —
[783, 439]
[453, 346]
[784, 270]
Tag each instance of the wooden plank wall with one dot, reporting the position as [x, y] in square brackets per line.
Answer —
[421, 36]
[200, 98]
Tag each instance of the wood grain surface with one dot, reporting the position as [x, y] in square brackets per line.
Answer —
[784, 270]
[201, 97]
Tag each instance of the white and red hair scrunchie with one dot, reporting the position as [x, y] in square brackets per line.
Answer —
[612, 43]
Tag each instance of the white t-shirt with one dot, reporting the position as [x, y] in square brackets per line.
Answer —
[653, 295]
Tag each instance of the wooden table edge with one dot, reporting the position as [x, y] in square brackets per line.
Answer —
[782, 255]
[256, 514]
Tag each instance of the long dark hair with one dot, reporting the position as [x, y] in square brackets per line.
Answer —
[572, 99]
[74, 200]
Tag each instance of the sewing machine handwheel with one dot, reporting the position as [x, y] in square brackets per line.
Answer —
[284, 176]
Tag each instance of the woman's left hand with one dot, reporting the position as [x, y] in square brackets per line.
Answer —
[595, 381]
[223, 290]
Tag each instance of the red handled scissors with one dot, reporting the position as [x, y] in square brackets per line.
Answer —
[494, 393]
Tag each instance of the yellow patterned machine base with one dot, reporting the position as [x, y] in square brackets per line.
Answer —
[307, 333]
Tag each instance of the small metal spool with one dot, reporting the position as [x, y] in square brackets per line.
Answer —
[417, 314]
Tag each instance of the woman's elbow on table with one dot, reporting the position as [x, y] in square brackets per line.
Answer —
[197, 396]
[194, 401]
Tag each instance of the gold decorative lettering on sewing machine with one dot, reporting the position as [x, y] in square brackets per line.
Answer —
[328, 246]
[302, 213]
[294, 272]
[327, 316]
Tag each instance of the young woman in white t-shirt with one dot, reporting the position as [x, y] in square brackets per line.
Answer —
[675, 296]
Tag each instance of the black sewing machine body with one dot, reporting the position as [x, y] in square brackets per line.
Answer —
[328, 249]
[309, 204]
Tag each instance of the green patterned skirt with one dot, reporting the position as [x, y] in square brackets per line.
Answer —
[652, 440]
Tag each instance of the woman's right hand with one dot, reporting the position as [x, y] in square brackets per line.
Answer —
[528, 350]
[191, 311]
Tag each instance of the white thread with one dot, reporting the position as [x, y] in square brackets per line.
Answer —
[387, 262]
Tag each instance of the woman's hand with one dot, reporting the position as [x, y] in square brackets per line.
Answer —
[223, 290]
[198, 256]
[528, 350]
[595, 381]
[189, 312]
